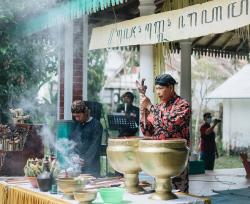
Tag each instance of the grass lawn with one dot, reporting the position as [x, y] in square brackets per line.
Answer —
[228, 162]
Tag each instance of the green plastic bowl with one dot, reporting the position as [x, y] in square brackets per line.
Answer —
[113, 195]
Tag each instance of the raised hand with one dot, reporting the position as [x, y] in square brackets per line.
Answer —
[142, 90]
[141, 87]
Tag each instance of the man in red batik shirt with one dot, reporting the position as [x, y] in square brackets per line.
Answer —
[168, 119]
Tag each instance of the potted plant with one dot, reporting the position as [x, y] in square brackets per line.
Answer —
[32, 169]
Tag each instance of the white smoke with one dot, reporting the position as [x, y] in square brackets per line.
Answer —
[64, 149]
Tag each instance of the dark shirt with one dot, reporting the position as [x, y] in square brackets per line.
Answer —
[132, 113]
[207, 144]
[88, 138]
[168, 120]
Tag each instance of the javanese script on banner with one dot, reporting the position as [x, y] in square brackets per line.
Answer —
[190, 22]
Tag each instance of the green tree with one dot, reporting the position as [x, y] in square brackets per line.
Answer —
[25, 66]
[96, 63]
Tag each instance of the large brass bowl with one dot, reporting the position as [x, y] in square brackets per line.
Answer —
[122, 157]
[69, 185]
[163, 159]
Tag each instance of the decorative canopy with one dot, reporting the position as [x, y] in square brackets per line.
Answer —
[232, 44]
[62, 13]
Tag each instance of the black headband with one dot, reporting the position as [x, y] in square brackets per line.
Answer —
[78, 106]
[165, 80]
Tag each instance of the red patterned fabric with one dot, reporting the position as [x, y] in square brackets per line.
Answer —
[168, 120]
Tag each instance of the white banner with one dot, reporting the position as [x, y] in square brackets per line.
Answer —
[216, 16]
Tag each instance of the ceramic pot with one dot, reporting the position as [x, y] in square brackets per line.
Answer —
[33, 181]
[44, 181]
[69, 185]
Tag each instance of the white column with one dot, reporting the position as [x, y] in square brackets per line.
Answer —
[146, 69]
[85, 58]
[147, 7]
[68, 72]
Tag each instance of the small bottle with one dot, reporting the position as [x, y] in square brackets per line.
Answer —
[46, 164]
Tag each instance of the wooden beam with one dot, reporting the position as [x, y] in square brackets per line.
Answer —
[196, 41]
[212, 40]
[243, 42]
[227, 42]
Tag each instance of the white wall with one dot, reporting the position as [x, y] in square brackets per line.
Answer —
[236, 125]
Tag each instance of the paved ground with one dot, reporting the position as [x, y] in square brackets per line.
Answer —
[221, 179]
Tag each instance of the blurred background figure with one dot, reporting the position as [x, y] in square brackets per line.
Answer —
[208, 149]
[131, 112]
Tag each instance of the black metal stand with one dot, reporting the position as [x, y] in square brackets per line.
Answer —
[119, 121]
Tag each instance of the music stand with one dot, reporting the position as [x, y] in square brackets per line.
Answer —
[119, 121]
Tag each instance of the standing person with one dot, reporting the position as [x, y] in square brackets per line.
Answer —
[87, 135]
[208, 145]
[168, 119]
[131, 112]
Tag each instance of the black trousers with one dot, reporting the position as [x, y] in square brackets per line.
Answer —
[209, 159]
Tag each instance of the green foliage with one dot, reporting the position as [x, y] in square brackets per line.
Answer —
[33, 167]
[24, 66]
[228, 162]
[96, 63]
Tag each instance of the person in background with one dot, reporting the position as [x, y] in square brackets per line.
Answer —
[168, 119]
[208, 149]
[87, 135]
[131, 112]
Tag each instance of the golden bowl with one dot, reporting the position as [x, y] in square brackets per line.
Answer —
[69, 185]
[163, 159]
[85, 197]
[122, 157]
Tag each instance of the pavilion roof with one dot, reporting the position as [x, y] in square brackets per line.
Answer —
[66, 10]
[231, 44]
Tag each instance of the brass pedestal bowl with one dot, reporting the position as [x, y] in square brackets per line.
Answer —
[163, 159]
[122, 157]
[85, 197]
[69, 185]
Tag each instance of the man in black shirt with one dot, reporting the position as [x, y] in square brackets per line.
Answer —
[131, 112]
[87, 135]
